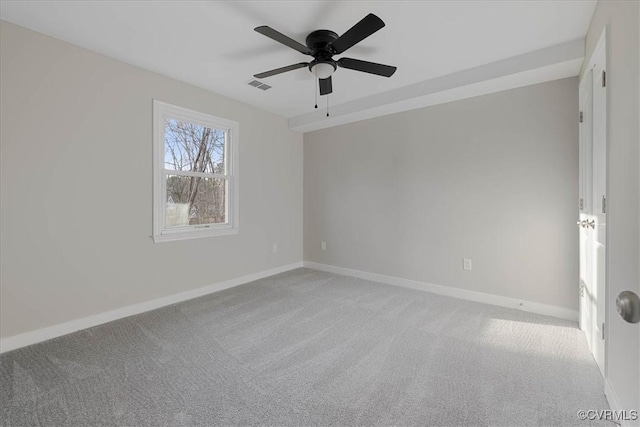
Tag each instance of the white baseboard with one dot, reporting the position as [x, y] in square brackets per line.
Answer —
[614, 403]
[533, 307]
[39, 335]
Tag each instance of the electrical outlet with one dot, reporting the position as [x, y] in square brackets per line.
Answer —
[323, 245]
[466, 263]
[275, 248]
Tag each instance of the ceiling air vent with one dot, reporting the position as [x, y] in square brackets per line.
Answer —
[259, 85]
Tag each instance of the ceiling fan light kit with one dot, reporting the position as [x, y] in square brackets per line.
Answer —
[322, 70]
[322, 45]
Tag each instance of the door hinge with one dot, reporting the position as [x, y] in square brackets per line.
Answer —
[581, 117]
[604, 204]
[581, 204]
[603, 330]
[604, 78]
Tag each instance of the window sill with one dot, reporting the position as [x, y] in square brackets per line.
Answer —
[188, 235]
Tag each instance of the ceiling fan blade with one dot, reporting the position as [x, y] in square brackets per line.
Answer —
[281, 70]
[281, 38]
[326, 87]
[363, 29]
[367, 67]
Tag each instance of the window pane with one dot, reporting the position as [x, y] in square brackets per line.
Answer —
[195, 148]
[195, 201]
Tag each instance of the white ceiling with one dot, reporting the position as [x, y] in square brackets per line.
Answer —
[212, 44]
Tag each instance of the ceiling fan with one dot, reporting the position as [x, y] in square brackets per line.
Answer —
[322, 45]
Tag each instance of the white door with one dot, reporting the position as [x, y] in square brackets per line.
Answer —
[587, 310]
[598, 229]
[592, 221]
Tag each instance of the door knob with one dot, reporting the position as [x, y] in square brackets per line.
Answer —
[591, 224]
[628, 306]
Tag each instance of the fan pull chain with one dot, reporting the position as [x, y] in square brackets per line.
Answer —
[327, 105]
[317, 88]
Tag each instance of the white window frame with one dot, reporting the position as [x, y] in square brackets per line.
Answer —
[161, 111]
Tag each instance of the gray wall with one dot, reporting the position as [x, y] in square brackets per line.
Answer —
[492, 178]
[622, 19]
[76, 187]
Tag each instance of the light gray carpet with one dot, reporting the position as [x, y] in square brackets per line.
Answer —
[308, 348]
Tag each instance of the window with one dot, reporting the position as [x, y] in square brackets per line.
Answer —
[195, 174]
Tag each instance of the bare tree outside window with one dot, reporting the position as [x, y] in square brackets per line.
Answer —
[198, 198]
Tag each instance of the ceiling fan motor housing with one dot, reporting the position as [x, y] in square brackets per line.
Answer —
[319, 42]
